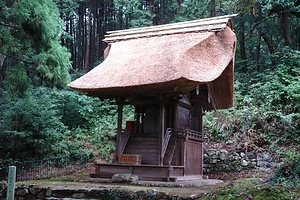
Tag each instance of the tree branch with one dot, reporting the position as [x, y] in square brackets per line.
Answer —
[18, 59]
[9, 25]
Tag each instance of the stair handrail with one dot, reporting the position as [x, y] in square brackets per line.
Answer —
[166, 141]
[173, 151]
[123, 140]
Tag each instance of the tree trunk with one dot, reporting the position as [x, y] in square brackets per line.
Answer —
[242, 47]
[270, 45]
[268, 42]
[257, 53]
[3, 70]
[72, 42]
[212, 8]
[161, 12]
[2, 58]
[80, 36]
[100, 31]
[105, 17]
[180, 2]
[88, 40]
[284, 20]
[120, 18]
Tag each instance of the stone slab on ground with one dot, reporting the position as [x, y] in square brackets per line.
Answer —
[192, 182]
[188, 183]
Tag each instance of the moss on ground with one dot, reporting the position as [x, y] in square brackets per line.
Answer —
[252, 188]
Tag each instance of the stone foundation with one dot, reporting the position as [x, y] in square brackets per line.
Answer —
[235, 161]
[32, 192]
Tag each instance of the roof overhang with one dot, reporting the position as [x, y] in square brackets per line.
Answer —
[166, 59]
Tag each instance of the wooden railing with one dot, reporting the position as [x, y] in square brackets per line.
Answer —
[192, 135]
[166, 141]
[187, 134]
[123, 140]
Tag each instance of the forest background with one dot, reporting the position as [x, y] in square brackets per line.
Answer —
[44, 44]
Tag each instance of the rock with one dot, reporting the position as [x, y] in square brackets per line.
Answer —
[250, 155]
[61, 192]
[124, 178]
[223, 155]
[3, 185]
[48, 192]
[211, 152]
[206, 165]
[245, 163]
[262, 164]
[41, 195]
[231, 157]
[155, 194]
[34, 190]
[30, 197]
[264, 157]
[243, 155]
[78, 195]
[272, 164]
[22, 191]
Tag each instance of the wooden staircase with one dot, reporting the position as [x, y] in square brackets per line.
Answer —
[146, 147]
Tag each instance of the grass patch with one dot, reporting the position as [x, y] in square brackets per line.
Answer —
[252, 188]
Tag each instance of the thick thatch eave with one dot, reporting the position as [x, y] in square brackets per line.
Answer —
[165, 61]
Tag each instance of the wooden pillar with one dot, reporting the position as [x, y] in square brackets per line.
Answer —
[119, 128]
[201, 130]
[161, 130]
[201, 120]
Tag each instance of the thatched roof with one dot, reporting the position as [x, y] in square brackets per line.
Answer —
[160, 59]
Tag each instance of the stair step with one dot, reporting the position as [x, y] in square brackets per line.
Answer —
[146, 147]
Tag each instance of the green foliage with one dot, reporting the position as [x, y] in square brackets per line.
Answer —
[192, 10]
[47, 122]
[280, 6]
[30, 36]
[67, 7]
[55, 121]
[17, 80]
[134, 13]
[266, 108]
[288, 174]
[40, 20]
[30, 125]
[249, 189]
[54, 66]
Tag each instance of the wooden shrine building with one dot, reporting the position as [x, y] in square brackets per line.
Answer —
[171, 74]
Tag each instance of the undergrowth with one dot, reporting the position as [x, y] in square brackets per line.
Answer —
[288, 174]
[252, 189]
[266, 112]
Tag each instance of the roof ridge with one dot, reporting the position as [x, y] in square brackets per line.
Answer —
[207, 24]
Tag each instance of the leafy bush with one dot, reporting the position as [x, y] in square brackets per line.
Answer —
[266, 109]
[47, 122]
[30, 125]
[249, 188]
[288, 174]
